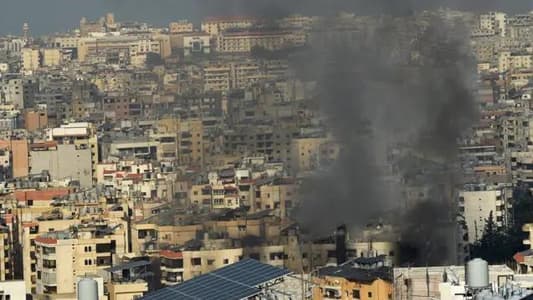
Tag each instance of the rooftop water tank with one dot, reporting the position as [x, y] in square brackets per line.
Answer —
[87, 289]
[477, 274]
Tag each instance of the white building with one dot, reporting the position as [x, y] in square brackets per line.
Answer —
[15, 289]
[62, 161]
[493, 21]
[11, 90]
[476, 207]
[196, 44]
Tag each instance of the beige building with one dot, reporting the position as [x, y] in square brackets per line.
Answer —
[51, 57]
[118, 49]
[217, 25]
[217, 77]
[280, 197]
[126, 290]
[178, 266]
[30, 59]
[305, 154]
[245, 41]
[35, 119]
[66, 42]
[508, 60]
[493, 22]
[84, 251]
[181, 26]
[7, 255]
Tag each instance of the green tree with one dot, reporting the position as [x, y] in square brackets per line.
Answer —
[489, 247]
[498, 245]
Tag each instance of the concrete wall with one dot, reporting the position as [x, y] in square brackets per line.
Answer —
[65, 162]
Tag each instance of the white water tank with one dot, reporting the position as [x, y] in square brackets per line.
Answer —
[87, 289]
[477, 274]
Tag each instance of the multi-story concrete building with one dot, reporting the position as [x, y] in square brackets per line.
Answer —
[178, 266]
[245, 41]
[11, 90]
[217, 25]
[117, 49]
[84, 251]
[35, 119]
[31, 59]
[181, 26]
[305, 154]
[196, 43]
[82, 135]
[18, 148]
[217, 77]
[354, 282]
[508, 60]
[477, 205]
[51, 156]
[51, 57]
[493, 21]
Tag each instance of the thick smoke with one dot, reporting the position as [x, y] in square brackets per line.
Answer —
[397, 83]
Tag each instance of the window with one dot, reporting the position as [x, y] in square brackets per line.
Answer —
[210, 262]
[196, 261]
[226, 261]
[369, 294]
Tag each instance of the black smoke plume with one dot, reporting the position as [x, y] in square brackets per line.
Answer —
[390, 83]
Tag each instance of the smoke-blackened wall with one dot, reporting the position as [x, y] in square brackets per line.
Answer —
[400, 83]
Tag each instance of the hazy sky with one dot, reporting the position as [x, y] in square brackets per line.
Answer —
[46, 16]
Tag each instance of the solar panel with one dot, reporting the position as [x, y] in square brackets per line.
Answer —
[233, 282]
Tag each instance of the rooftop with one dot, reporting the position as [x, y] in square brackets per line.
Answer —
[357, 274]
[240, 280]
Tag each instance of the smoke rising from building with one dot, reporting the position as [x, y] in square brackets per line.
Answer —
[401, 83]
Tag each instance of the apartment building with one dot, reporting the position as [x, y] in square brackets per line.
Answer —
[35, 119]
[476, 205]
[216, 77]
[196, 43]
[51, 157]
[216, 25]
[18, 149]
[178, 266]
[31, 59]
[117, 49]
[278, 195]
[12, 90]
[82, 135]
[508, 60]
[51, 57]
[63, 255]
[305, 154]
[245, 41]
[522, 168]
[350, 282]
[493, 21]
[181, 26]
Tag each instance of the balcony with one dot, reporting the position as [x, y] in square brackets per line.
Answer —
[48, 279]
[172, 269]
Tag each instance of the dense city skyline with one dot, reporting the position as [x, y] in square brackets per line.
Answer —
[47, 17]
[266, 149]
